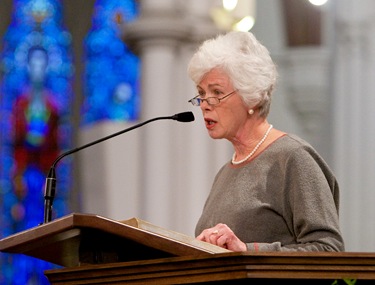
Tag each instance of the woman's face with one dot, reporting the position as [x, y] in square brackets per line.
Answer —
[226, 119]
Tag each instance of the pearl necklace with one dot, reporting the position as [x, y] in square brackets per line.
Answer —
[254, 150]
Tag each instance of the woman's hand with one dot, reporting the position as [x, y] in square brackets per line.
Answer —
[221, 235]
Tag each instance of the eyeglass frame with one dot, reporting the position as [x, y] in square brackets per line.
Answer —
[218, 100]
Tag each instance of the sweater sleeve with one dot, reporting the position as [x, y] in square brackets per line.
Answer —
[310, 205]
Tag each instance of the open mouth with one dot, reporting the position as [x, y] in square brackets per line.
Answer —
[210, 123]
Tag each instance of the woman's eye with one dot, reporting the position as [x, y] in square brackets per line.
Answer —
[217, 92]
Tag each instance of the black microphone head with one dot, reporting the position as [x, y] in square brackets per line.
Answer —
[184, 117]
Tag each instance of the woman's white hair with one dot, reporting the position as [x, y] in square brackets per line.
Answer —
[247, 63]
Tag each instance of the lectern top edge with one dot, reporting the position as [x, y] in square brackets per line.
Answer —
[86, 238]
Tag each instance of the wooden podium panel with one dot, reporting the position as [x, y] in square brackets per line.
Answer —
[228, 268]
[79, 239]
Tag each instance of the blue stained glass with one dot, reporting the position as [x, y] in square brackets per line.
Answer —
[36, 95]
[113, 94]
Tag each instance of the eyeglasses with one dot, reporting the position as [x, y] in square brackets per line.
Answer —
[197, 101]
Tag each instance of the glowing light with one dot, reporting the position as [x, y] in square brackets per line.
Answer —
[235, 15]
[229, 5]
[318, 2]
[245, 24]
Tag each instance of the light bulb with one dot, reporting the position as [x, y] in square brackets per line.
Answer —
[245, 24]
[318, 2]
[229, 5]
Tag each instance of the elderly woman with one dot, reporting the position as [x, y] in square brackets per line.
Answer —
[276, 193]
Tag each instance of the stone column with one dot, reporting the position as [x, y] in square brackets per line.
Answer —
[305, 74]
[156, 36]
[353, 120]
[178, 161]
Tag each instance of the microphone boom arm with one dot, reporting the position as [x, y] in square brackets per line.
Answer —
[50, 184]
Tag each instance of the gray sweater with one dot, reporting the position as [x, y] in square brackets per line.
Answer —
[285, 199]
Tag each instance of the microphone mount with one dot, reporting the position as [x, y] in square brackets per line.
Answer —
[50, 184]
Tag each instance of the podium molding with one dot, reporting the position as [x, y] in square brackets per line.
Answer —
[229, 268]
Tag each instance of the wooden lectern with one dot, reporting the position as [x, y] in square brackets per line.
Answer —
[97, 250]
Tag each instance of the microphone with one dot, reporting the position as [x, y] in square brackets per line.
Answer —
[50, 184]
[184, 117]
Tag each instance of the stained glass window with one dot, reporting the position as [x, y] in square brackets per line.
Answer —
[36, 96]
[112, 70]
